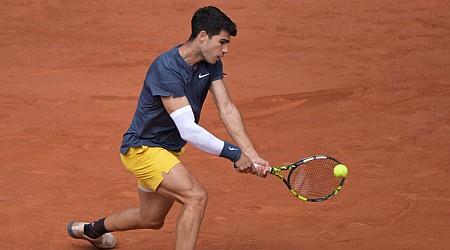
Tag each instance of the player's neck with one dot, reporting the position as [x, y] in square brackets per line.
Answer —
[191, 53]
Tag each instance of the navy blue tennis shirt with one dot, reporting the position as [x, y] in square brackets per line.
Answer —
[168, 75]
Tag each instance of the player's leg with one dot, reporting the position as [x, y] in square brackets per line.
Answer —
[150, 215]
[148, 164]
[161, 170]
[180, 185]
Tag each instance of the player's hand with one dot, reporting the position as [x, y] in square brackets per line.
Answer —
[244, 165]
[256, 166]
[262, 167]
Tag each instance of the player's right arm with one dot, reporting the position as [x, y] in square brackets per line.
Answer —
[181, 113]
[171, 104]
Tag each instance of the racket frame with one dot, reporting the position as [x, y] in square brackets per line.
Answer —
[275, 171]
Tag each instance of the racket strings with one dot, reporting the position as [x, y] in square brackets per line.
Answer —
[314, 179]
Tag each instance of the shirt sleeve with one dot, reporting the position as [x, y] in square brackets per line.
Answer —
[164, 83]
[217, 71]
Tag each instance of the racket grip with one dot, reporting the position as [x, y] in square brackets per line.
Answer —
[270, 168]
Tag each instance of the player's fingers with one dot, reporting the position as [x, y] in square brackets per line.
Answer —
[256, 171]
[259, 170]
[239, 169]
[266, 172]
[246, 170]
[263, 171]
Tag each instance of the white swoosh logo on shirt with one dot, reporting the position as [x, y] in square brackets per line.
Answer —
[201, 76]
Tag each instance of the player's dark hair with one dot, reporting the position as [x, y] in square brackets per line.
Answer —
[213, 21]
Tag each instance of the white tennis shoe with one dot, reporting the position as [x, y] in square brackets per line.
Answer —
[76, 231]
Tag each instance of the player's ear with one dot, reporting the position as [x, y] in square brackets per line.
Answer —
[203, 36]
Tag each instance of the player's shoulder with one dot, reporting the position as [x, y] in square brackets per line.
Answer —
[167, 60]
[167, 67]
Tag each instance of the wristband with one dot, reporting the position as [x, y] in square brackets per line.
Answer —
[231, 152]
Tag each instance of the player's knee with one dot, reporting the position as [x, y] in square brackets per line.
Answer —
[203, 197]
[198, 198]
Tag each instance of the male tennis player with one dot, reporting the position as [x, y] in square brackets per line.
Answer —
[166, 117]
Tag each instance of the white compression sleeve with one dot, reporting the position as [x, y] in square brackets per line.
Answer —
[195, 134]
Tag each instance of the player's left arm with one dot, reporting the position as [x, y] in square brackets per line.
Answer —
[232, 119]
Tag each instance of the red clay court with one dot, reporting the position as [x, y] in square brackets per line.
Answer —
[367, 82]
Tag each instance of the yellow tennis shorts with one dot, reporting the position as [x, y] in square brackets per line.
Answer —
[148, 163]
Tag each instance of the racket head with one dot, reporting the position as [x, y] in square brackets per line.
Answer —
[312, 179]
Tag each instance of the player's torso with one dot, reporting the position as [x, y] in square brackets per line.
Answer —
[196, 89]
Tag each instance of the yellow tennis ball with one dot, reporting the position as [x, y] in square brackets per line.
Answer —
[340, 171]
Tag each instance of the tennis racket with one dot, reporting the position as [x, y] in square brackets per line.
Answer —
[311, 179]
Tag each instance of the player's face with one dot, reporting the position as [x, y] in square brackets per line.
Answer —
[215, 47]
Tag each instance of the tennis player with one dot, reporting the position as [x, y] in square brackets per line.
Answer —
[166, 117]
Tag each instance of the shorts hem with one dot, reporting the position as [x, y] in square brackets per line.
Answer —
[147, 190]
